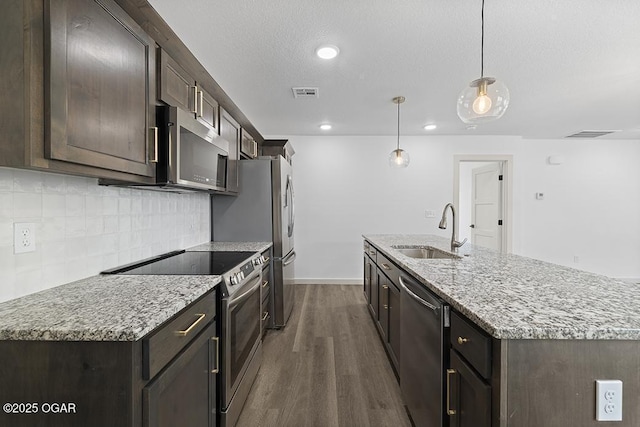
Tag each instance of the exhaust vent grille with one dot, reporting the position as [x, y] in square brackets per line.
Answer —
[305, 92]
[591, 133]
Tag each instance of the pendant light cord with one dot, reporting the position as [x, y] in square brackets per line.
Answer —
[398, 125]
[482, 44]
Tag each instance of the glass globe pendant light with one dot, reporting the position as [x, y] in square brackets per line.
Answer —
[485, 99]
[398, 157]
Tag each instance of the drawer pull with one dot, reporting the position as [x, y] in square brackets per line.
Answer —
[265, 283]
[265, 316]
[372, 252]
[462, 341]
[449, 410]
[385, 287]
[386, 266]
[184, 333]
[217, 368]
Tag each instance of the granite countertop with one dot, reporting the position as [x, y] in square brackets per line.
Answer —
[101, 308]
[514, 297]
[109, 307]
[232, 246]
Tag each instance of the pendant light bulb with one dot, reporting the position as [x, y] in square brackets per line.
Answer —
[482, 104]
[485, 99]
[398, 157]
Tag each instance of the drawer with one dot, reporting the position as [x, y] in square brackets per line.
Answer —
[472, 343]
[370, 250]
[168, 340]
[388, 268]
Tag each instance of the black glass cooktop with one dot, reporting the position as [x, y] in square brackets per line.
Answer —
[186, 263]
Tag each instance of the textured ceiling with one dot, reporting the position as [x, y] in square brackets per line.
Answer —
[569, 65]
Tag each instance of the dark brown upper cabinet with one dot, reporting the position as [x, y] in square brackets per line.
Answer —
[178, 88]
[99, 87]
[77, 79]
[230, 130]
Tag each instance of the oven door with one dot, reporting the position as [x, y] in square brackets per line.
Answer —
[241, 333]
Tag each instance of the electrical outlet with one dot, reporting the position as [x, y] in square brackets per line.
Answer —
[24, 237]
[608, 400]
[429, 214]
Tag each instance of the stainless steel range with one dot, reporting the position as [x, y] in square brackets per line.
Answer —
[240, 308]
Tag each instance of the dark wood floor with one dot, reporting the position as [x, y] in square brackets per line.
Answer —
[327, 367]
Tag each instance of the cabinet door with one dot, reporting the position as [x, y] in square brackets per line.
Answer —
[374, 293]
[230, 130]
[100, 88]
[207, 110]
[367, 279]
[175, 86]
[469, 396]
[383, 303]
[394, 323]
[184, 393]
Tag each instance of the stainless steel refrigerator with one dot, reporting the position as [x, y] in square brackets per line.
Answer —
[263, 211]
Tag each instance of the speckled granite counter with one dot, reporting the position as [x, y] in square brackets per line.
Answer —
[101, 308]
[232, 246]
[513, 297]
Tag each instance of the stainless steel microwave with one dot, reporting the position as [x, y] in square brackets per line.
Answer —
[191, 155]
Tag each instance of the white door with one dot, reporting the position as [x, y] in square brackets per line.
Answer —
[486, 212]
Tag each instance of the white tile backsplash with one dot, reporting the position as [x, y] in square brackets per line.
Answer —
[83, 228]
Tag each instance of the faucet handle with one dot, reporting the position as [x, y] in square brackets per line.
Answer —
[458, 244]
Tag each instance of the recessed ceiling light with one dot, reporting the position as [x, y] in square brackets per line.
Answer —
[327, 51]
[430, 127]
[325, 126]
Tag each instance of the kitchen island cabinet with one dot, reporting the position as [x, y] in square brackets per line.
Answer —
[111, 351]
[528, 339]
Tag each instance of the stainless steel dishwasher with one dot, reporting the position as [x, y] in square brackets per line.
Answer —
[424, 332]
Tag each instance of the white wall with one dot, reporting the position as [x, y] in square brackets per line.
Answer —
[83, 228]
[345, 188]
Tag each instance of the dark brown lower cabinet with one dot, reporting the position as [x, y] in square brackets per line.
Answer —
[469, 396]
[394, 324]
[185, 392]
[368, 274]
[103, 383]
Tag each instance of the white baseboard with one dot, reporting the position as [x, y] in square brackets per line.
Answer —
[329, 282]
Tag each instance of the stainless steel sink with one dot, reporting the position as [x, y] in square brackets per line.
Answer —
[424, 252]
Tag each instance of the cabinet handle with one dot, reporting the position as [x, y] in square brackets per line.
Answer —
[385, 287]
[386, 266]
[449, 410]
[386, 307]
[265, 283]
[184, 333]
[155, 145]
[372, 252]
[265, 316]
[195, 99]
[217, 368]
[200, 102]
[462, 340]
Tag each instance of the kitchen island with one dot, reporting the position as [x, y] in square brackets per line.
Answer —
[551, 331]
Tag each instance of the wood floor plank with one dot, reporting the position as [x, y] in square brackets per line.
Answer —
[326, 368]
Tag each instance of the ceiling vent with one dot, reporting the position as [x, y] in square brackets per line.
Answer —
[591, 133]
[305, 92]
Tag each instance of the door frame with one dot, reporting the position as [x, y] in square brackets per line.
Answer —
[507, 190]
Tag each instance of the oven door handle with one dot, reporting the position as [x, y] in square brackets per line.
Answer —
[245, 295]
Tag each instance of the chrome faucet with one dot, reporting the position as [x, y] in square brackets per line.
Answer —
[443, 224]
